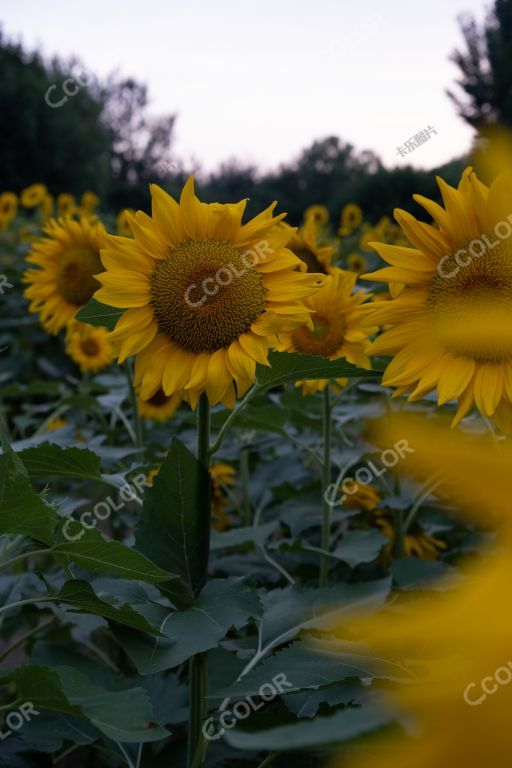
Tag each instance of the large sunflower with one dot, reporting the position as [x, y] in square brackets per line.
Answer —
[449, 325]
[68, 258]
[204, 294]
[304, 244]
[339, 328]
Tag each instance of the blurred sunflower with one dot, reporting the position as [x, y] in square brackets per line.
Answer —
[47, 207]
[450, 325]
[221, 475]
[199, 315]
[56, 424]
[361, 496]
[338, 329]
[88, 203]
[8, 207]
[123, 228]
[351, 219]
[159, 406]
[316, 214]
[304, 244]
[68, 258]
[33, 195]
[356, 263]
[88, 346]
[66, 204]
[417, 543]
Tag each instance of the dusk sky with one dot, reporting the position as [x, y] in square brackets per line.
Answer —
[260, 81]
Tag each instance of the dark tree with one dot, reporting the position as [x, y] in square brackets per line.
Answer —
[486, 69]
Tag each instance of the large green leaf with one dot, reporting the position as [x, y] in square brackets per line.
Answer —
[95, 553]
[23, 511]
[286, 367]
[310, 666]
[81, 596]
[49, 460]
[342, 726]
[121, 715]
[100, 315]
[174, 526]
[223, 603]
[360, 546]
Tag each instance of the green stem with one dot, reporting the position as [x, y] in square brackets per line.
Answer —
[137, 421]
[399, 525]
[24, 637]
[326, 479]
[244, 477]
[198, 665]
[233, 414]
[269, 759]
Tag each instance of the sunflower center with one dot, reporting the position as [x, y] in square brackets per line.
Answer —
[206, 294]
[311, 261]
[90, 347]
[75, 281]
[325, 339]
[470, 303]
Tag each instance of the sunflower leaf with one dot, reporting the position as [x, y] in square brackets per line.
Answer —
[99, 315]
[286, 367]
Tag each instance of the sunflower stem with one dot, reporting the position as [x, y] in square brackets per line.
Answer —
[198, 665]
[326, 479]
[137, 421]
[244, 476]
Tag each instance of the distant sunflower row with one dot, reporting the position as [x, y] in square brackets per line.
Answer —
[204, 296]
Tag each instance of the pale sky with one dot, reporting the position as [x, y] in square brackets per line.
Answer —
[261, 80]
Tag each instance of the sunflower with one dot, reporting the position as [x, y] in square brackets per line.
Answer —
[304, 244]
[356, 263]
[317, 214]
[159, 406]
[8, 206]
[89, 203]
[204, 294]
[33, 195]
[56, 424]
[417, 543]
[66, 204]
[68, 258]
[450, 325]
[89, 347]
[339, 328]
[360, 496]
[221, 475]
[351, 218]
[123, 228]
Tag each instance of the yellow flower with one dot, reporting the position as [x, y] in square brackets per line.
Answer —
[151, 475]
[450, 325]
[56, 424]
[33, 195]
[417, 543]
[351, 218]
[159, 406]
[8, 206]
[88, 346]
[457, 649]
[47, 206]
[304, 244]
[68, 258]
[366, 238]
[339, 329]
[356, 263]
[316, 214]
[221, 475]
[89, 202]
[204, 294]
[66, 204]
[312, 386]
[123, 228]
[362, 497]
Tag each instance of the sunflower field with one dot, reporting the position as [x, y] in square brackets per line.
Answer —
[255, 468]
